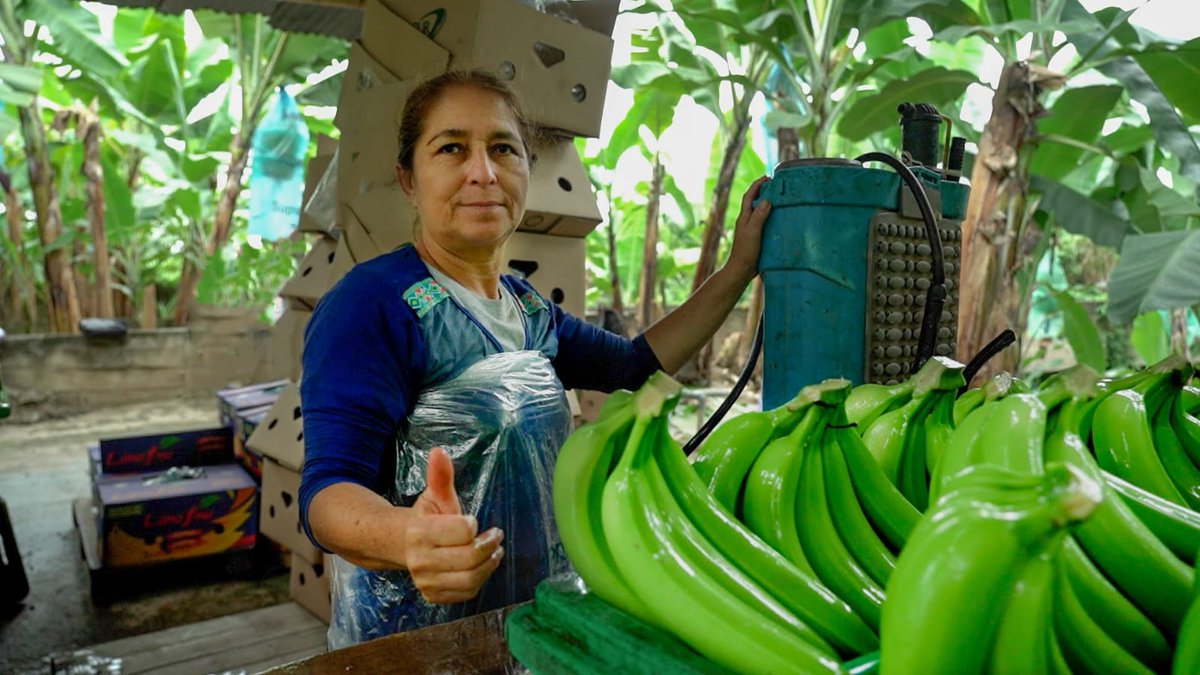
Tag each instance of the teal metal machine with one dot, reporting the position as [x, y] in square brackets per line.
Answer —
[857, 285]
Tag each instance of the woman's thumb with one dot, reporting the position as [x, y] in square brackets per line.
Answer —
[439, 483]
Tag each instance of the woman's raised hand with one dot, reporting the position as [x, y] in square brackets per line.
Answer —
[747, 233]
[449, 562]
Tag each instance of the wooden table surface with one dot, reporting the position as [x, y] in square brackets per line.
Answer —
[473, 645]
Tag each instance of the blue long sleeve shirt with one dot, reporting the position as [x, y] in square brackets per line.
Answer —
[365, 357]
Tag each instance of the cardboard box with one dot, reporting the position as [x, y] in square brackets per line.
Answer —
[399, 46]
[359, 242]
[363, 73]
[560, 200]
[559, 69]
[287, 341]
[313, 277]
[244, 425]
[590, 403]
[320, 174]
[369, 148]
[144, 522]
[138, 454]
[280, 434]
[556, 266]
[95, 471]
[232, 400]
[386, 213]
[280, 521]
[343, 261]
[309, 585]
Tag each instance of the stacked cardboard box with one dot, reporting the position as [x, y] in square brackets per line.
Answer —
[357, 211]
[169, 496]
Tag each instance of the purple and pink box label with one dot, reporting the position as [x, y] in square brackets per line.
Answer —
[156, 452]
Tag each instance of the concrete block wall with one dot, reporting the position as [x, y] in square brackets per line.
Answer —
[53, 375]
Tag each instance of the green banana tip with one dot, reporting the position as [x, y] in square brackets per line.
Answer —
[938, 373]
[658, 395]
[1081, 492]
[828, 392]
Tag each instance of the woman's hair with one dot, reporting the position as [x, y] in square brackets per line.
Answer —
[416, 108]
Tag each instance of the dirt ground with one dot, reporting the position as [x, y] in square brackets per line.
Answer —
[43, 468]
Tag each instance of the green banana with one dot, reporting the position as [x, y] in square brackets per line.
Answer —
[1124, 549]
[966, 404]
[939, 427]
[1058, 661]
[580, 473]
[867, 402]
[892, 516]
[937, 384]
[800, 592]
[945, 598]
[1124, 445]
[724, 458]
[769, 504]
[1191, 399]
[1002, 384]
[685, 600]
[1179, 467]
[1023, 640]
[847, 513]
[885, 438]
[1176, 526]
[1087, 648]
[1112, 611]
[1186, 427]
[962, 451]
[706, 559]
[825, 550]
[1015, 432]
[1187, 651]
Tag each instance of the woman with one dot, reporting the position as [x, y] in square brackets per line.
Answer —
[431, 345]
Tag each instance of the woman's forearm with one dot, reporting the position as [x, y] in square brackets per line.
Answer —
[679, 335]
[360, 526]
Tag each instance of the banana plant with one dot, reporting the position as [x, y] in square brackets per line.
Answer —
[257, 52]
[18, 53]
[1067, 175]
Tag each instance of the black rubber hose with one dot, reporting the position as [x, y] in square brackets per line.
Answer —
[935, 297]
[991, 349]
[747, 370]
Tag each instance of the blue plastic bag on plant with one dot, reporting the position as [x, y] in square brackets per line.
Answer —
[277, 170]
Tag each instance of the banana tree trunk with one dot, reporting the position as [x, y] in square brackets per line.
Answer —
[714, 225]
[614, 271]
[222, 224]
[999, 232]
[63, 303]
[646, 306]
[21, 298]
[94, 173]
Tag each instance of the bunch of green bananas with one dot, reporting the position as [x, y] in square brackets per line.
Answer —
[645, 534]
[974, 588]
[907, 440]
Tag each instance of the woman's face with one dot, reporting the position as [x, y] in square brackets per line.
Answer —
[470, 173]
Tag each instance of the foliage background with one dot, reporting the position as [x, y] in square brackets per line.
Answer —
[1111, 173]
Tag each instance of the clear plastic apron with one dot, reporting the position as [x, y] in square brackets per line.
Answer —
[502, 421]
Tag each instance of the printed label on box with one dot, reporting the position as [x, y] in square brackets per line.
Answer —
[137, 454]
[144, 522]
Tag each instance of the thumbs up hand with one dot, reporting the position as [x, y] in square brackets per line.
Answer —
[449, 562]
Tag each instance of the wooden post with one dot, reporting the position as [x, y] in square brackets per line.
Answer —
[149, 318]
